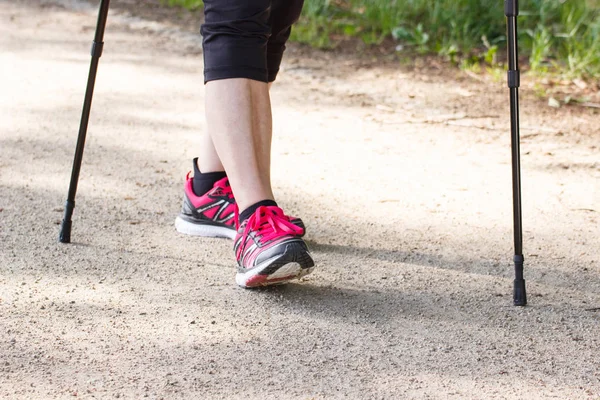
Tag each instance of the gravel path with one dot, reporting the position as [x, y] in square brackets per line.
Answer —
[402, 176]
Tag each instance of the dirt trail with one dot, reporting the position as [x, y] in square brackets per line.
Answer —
[402, 177]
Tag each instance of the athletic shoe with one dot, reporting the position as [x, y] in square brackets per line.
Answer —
[213, 214]
[269, 250]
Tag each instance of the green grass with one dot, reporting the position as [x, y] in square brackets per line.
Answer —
[189, 4]
[556, 35]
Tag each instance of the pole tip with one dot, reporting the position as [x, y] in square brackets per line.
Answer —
[65, 232]
[65, 226]
[519, 293]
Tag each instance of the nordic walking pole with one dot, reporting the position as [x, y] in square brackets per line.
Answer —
[511, 9]
[65, 229]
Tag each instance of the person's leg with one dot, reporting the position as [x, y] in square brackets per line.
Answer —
[283, 14]
[208, 159]
[249, 132]
[203, 213]
[235, 34]
[238, 108]
[267, 245]
[242, 138]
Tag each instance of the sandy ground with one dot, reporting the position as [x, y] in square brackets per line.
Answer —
[401, 174]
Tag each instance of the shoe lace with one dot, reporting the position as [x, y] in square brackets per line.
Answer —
[267, 223]
[237, 218]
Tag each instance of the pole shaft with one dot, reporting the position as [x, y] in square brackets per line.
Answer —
[85, 117]
[511, 10]
[513, 73]
[96, 53]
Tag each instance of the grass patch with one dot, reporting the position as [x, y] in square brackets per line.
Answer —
[556, 36]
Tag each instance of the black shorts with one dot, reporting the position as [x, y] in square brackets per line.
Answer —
[246, 38]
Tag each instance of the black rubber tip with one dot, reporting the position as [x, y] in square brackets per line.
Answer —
[65, 228]
[519, 293]
[65, 232]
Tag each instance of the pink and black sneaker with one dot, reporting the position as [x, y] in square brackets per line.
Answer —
[213, 214]
[269, 249]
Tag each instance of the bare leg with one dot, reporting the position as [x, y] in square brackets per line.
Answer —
[239, 122]
[208, 160]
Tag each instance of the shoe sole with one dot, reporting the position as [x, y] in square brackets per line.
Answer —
[294, 263]
[190, 228]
